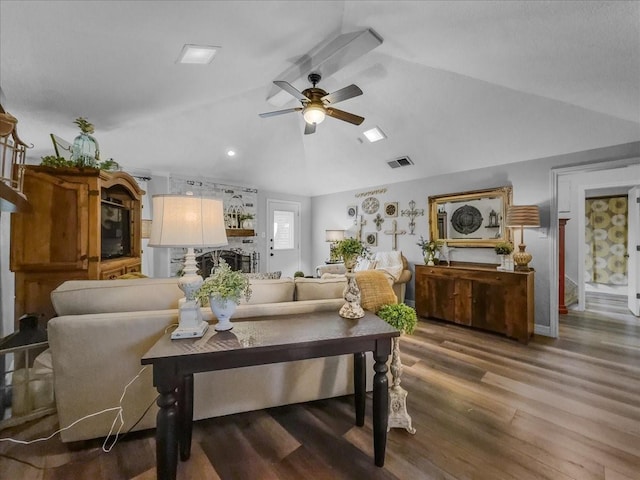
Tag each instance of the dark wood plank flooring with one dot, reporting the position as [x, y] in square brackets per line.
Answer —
[484, 407]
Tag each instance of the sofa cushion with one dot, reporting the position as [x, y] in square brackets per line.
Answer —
[270, 291]
[76, 297]
[320, 288]
[375, 289]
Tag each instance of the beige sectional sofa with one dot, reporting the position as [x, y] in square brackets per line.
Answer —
[105, 326]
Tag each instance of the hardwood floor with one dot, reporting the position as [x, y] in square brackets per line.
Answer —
[484, 407]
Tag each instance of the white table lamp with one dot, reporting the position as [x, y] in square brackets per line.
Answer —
[186, 221]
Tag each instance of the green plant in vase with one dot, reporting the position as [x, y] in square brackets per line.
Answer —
[85, 151]
[504, 249]
[351, 249]
[223, 290]
[403, 318]
[430, 250]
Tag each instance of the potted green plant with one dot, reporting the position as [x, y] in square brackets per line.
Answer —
[85, 150]
[430, 249]
[246, 220]
[351, 249]
[403, 318]
[223, 291]
[504, 249]
[399, 316]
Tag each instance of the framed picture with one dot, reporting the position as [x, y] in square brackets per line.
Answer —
[62, 148]
[371, 239]
[352, 211]
[391, 209]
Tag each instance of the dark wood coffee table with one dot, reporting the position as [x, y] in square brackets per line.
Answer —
[259, 341]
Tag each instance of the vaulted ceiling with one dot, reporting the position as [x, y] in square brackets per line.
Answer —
[454, 85]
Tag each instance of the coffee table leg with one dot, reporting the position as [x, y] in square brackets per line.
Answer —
[359, 386]
[380, 408]
[185, 416]
[166, 435]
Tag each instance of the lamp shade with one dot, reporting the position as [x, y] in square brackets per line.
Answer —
[334, 235]
[523, 216]
[187, 221]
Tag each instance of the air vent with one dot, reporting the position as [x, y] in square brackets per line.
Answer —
[400, 162]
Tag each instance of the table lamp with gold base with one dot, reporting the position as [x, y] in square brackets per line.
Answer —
[521, 216]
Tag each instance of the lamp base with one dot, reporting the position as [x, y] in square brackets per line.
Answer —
[190, 332]
[522, 259]
[190, 320]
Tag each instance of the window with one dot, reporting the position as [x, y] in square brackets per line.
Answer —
[283, 230]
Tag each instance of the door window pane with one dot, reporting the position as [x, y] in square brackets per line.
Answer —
[283, 230]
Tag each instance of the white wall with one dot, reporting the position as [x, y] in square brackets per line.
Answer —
[531, 186]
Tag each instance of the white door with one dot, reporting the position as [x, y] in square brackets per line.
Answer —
[283, 246]
[633, 240]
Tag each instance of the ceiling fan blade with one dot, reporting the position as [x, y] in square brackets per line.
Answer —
[343, 94]
[309, 128]
[287, 87]
[344, 116]
[279, 112]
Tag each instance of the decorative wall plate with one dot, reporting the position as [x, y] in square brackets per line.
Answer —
[466, 219]
[371, 239]
[352, 211]
[391, 209]
[370, 205]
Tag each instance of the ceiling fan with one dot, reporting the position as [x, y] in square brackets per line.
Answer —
[315, 103]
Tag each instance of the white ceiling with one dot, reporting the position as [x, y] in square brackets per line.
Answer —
[455, 85]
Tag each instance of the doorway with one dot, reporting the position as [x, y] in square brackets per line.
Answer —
[569, 191]
[284, 237]
[606, 257]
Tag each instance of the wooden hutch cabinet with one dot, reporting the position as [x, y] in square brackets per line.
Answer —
[478, 296]
[82, 224]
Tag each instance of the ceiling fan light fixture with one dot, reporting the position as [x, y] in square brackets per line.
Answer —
[313, 114]
[198, 54]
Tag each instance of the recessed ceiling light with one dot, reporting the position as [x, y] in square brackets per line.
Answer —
[200, 54]
[231, 153]
[374, 134]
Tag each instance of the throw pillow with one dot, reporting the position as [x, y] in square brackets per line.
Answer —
[375, 289]
[365, 264]
[390, 262]
[264, 275]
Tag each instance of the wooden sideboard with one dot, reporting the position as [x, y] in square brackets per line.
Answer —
[478, 296]
[62, 236]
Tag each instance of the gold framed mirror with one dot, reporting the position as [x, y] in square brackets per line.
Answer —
[470, 219]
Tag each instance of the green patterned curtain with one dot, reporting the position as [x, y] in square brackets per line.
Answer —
[606, 240]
